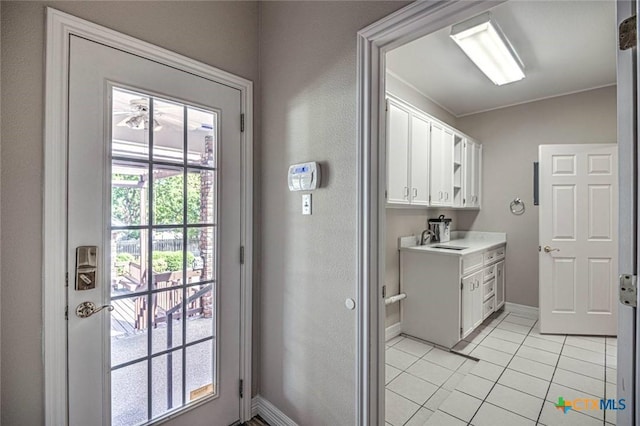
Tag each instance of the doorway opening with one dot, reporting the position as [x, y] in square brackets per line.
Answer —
[409, 73]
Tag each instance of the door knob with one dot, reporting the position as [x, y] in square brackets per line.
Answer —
[86, 309]
[548, 249]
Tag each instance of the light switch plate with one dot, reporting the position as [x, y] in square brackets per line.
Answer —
[306, 204]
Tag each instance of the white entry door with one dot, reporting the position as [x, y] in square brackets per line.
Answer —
[154, 184]
[578, 239]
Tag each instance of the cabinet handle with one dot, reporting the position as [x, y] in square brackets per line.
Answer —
[440, 195]
[446, 196]
[415, 192]
[406, 192]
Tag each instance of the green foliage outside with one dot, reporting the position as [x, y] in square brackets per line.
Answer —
[163, 261]
[168, 207]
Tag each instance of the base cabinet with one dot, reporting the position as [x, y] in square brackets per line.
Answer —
[449, 296]
[471, 312]
[500, 282]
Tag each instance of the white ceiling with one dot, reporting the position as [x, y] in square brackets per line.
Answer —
[566, 47]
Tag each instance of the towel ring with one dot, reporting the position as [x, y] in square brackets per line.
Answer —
[517, 206]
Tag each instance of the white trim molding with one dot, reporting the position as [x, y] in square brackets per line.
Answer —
[60, 26]
[407, 24]
[392, 331]
[524, 310]
[270, 413]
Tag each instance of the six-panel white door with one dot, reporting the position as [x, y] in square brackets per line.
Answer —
[578, 239]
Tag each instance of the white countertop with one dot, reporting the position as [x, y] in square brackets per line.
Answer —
[469, 241]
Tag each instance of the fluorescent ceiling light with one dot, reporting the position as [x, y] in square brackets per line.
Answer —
[484, 43]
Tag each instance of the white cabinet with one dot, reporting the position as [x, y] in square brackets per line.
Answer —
[441, 165]
[408, 136]
[397, 154]
[419, 160]
[449, 295]
[428, 162]
[471, 313]
[472, 173]
[500, 281]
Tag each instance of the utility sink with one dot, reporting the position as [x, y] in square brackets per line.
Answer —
[449, 247]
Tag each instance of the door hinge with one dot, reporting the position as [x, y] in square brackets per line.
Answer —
[461, 331]
[66, 313]
[629, 290]
[627, 33]
[386, 195]
[242, 255]
[66, 279]
[242, 122]
[384, 291]
[241, 388]
[461, 285]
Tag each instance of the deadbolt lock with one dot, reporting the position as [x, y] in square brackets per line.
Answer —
[86, 267]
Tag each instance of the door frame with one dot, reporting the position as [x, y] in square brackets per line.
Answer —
[60, 26]
[407, 24]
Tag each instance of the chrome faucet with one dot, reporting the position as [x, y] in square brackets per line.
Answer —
[425, 239]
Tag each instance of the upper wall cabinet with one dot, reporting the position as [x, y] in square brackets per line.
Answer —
[428, 162]
[408, 135]
[441, 165]
[472, 174]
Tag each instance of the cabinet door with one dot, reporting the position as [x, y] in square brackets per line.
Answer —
[420, 135]
[441, 165]
[468, 166]
[478, 299]
[467, 312]
[397, 154]
[500, 283]
[477, 174]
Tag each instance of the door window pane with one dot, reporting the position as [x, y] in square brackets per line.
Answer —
[168, 195]
[129, 111]
[129, 395]
[163, 231]
[201, 137]
[168, 135]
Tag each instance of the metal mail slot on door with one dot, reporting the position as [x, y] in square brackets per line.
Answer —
[86, 267]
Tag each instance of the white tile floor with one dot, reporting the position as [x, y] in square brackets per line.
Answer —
[517, 381]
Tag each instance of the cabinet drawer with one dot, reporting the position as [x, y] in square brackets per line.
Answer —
[488, 288]
[490, 256]
[489, 273]
[500, 253]
[471, 262]
[487, 307]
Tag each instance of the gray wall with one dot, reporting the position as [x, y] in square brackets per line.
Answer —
[410, 94]
[223, 34]
[510, 138]
[308, 79]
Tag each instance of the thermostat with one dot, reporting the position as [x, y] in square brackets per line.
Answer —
[304, 176]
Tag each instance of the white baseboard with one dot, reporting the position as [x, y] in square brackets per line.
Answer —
[392, 331]
[269, 412]
[514, 308]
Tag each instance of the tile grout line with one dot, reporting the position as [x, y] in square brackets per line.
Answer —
[406, 372]
[546, 395]
[496, 381]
